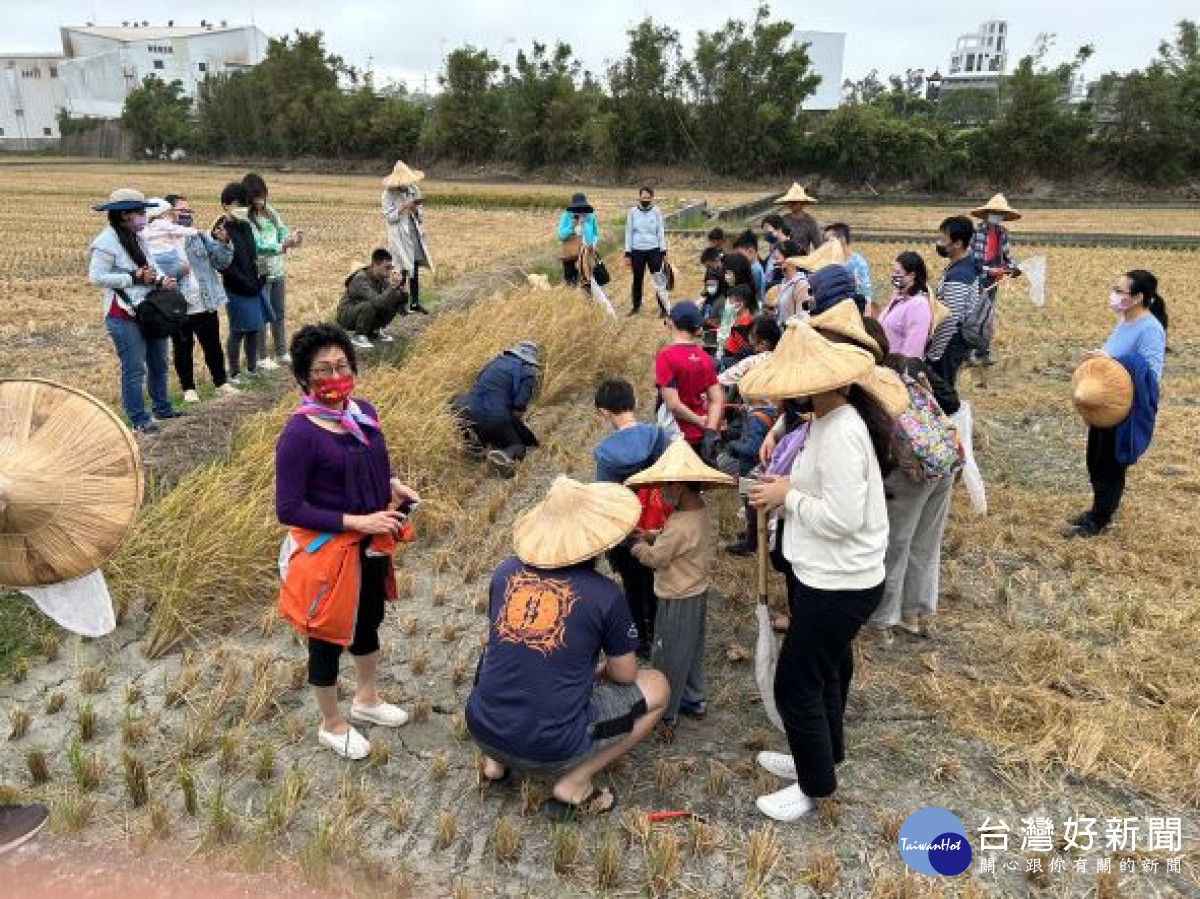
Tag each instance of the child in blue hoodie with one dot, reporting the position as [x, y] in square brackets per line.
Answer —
[632, 447]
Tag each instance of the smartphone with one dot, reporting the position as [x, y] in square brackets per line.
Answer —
[407, 508]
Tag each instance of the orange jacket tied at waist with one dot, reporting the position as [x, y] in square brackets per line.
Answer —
[320, 591]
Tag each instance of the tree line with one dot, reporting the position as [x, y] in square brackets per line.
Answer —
[732, 105]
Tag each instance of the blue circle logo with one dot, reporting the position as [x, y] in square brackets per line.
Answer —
[933, 841]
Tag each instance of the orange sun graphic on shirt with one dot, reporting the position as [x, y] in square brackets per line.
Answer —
[535, 612]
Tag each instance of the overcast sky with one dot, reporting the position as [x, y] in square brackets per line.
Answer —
[407, 40]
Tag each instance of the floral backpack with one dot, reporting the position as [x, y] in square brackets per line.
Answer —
[927, 443]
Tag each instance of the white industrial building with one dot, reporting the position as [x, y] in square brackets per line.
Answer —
[100, 65]
[826, 52]
[980, 59]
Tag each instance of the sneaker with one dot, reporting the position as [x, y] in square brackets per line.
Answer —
[350, 745]
[384, 714]
[693, 708]
[190, 396]
[166, 416]
[227, 389]
[268, 364]
[880, 637]
[1088, 527]
[781, 764]
[386, 336]
[360, 341]
[148, 428]
[635, 310]
[19, 823]
[417, 307]
[787, 805]
[919, 626]
[1079, 519]
[502, 463]
[739, 548]
[910, 624]
[285, 359]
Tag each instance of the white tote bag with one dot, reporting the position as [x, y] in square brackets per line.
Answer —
[82, 606]
[972, 477]
[1034, 271]
[601, 298]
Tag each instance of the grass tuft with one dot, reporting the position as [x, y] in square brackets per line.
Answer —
[38, 767]
[18, 722]
[506, 839]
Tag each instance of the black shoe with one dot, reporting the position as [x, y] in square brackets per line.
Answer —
[739, 548]
[417, 307]
[163, 416]
[1087, 527]
[985, 359]
[19, 823]
[1079, 519]
[635, 310]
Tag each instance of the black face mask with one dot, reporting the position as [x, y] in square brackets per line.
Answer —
[646, 204]
[941, 250]
[777, 275]
[770, 238]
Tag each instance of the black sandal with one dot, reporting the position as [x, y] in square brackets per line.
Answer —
[557, 810]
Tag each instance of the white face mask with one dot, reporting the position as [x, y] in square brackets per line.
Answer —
[994, 219]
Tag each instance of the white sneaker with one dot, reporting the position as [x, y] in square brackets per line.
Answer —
[285, 359]
[227, 389]
[386, 336]
[190, 396]
[360, 341]
[786, 805]
[778, 763]
[268, 364]
[237, 381]
[350, 745]
[384, 714]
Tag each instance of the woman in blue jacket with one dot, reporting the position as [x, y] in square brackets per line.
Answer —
[578, 232]
[1139, 342]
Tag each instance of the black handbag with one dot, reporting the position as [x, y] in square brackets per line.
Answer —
[600, 273]
[161, 314]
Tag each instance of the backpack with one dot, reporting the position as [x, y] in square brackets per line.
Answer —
[980, 320]
[926, 441]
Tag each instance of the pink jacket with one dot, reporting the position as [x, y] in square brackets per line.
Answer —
[906, 321]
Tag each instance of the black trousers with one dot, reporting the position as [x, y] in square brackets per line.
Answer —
[414, 288]
[638, 583]
[323, 657]
[505, 433]
[570, 272]
[952, 359]
[640, 260]
[780, 563]
[205, 328]
[1106, 473]
[812, 679]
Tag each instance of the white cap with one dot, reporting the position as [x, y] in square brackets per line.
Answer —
[157, 207]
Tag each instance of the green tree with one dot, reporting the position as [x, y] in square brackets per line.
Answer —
[465, 124]
[545, 113]
[747, 87]
[157, 114]
[647, 115]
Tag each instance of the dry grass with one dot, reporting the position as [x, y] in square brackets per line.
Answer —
[608, 861]
[19, 720]
[39, 768]
[821, 871]
[763, 855]
[506, 839]
[445, 829]
[55, 702]
[565, 844]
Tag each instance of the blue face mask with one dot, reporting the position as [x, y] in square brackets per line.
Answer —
[771, 238]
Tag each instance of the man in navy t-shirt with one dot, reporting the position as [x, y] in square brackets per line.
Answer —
[544, 701]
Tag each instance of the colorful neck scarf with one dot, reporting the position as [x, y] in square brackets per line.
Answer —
[351, 418]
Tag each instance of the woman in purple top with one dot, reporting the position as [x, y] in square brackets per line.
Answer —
[907, 316]
[332, 475]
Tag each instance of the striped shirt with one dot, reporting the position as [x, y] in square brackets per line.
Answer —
[959, 292]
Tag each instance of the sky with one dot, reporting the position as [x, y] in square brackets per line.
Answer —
[406, 40]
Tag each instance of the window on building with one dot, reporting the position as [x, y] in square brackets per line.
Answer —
[995, 65]
[54, 71]
[46, 132]
[159, 64]
[1, 132]
[202, 66]
[1000, 45]
[970, 62]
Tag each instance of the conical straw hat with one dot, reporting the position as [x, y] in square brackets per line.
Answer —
[1102, 392]
[805, 363]
[997, 205]
[844, 320]
[70, 483]
[403, 176]
[796, 194]
[887, 388]
[680, 465]
[829, 253]
[574, 523]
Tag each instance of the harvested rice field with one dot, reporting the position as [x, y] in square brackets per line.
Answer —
[1061, 683]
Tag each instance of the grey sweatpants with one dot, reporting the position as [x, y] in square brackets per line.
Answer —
[276, 292]
[917, 513]
[678, 651]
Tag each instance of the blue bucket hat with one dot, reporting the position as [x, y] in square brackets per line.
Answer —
[124, 199]
[829, 286]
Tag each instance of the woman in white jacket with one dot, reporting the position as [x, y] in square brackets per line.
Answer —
[645, 246]
[835, 537]
[120, 264]
[401, 202]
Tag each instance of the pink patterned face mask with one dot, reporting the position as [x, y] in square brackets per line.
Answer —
[1119, 302]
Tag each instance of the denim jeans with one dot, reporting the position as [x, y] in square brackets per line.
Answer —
[141, 360]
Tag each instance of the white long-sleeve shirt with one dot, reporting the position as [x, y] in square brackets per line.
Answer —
[645, 229]
[836, 531]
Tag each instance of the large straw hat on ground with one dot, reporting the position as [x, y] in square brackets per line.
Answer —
[844, 320]
[70, 483]
[403, 176]
[1102, 392]
[805, 363]
[887, 388]
[997, 205]
[680, 465]
[829, 253]
[574, 523]
[796, 194]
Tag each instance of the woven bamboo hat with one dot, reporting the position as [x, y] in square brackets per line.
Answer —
[680, 465]
[70, 483]
[886, 388]
[829, 253]
[1102, 392]
[574, 523]
[403, 176]
[805, 363]
[844, 320]
[997, 205]
[796, 194]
